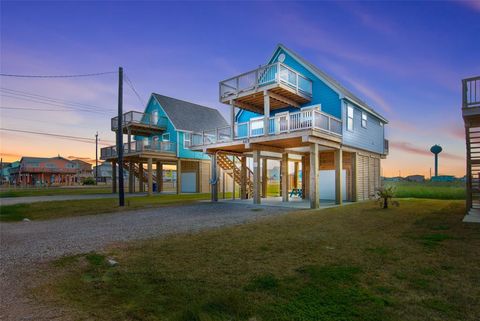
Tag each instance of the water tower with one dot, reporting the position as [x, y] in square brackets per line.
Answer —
[436, 149]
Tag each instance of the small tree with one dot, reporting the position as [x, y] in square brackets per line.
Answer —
[384, 196]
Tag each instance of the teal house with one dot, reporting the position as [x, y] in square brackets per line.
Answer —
[291, 112]
[160, 138]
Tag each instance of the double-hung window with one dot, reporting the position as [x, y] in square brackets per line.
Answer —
[187, 139]
[166, 137]
[364, 119]
[349, 118]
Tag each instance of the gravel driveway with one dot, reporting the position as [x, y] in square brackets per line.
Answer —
[48, 198]
[24, 244]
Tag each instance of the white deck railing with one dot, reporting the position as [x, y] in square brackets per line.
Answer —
[471, 92]
[263, 76]
[136, 117]
[278, 124]
[137, 146]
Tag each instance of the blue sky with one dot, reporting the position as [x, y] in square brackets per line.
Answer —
[405, 59]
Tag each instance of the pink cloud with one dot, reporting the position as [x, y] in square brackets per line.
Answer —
[412, 149]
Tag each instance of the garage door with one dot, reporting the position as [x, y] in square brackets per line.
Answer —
[189, 182]
[327, 185]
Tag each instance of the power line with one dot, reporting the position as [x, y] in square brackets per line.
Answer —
[35, 109]
[58, 76]
[130, 84]
[68, 137]
[56, 100]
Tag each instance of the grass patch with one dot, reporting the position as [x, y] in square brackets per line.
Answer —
[50, 191]
[431, 190]
[58, 209]
[433, 240]
[280, 269]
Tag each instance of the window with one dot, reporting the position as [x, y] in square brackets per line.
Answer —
[187, 139]
[349, 118]
[364, 119]
[166, 137]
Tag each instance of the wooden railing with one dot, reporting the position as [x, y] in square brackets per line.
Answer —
[471, 92]
[136, 117]
[139, 146]
[266, 75]
[278, 124]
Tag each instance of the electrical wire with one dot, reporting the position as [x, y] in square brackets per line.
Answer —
[59, 76]
[130, 84]
[68, 137]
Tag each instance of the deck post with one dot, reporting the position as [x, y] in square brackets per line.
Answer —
[232, 119]
[141, 178]
[305, 170]
[354, 177]
[150, 176]
[214, 179]
[159, 175]
[243, 178]
[284, 177]
[338, 176]
[295, 175]
[131, 169]
[264, 177]
[313, 177]
[266, 112]
[256, 177]
[179, 176]
[114, 177]
[233, 180]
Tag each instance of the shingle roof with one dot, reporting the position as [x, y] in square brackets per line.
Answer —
[29, 159]
[189, 116]
[344, 91]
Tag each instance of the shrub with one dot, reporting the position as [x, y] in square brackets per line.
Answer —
[384, 196]
[89, 181]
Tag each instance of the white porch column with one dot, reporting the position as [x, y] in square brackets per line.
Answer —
[314, 188]
[338, 176]
[243, 177]
[232, 119]
[266, 110]
[285, 177]
[256, 177]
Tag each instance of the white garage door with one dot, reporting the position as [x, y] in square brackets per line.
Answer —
[327, 185]
[189, 182]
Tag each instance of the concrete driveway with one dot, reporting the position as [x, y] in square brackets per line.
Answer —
[49, 198]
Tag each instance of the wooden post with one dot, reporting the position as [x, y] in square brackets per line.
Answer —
[256, 177]
[285, 177]
[150, 176]
[159, 175]
[295, 175]
[266, 111]
[243, 178]
[232, 119]
[114, 177]
[338, 176]
[214, 179]
[141, 178]
[179, 176]
[233, 179]
[223, 183]
[354, 177]
[131, 175]
[264, 177]
[304, 176]
[313, 179]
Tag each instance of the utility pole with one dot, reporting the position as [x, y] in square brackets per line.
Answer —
[96, 158]
[121, 191]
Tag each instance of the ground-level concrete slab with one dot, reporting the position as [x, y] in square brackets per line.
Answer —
[473, 216]
[294, 203]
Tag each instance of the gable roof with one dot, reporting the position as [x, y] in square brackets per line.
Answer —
[29, 159]
[188, 116]
[335, 85]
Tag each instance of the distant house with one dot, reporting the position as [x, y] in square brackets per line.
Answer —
[443, 178]
[105, 173]
[41, 171]
[415, 178]
[393, 179]
[5, 171]
[84, 170]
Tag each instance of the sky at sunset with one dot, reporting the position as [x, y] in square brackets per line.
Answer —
[405, 59]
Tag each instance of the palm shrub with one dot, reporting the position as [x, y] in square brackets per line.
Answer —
[384, 196]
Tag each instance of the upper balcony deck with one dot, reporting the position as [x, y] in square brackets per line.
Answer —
[142, 124]
[471, 99]
[140, 147]
[286, 86]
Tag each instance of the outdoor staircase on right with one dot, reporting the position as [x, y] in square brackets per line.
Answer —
[228, 164]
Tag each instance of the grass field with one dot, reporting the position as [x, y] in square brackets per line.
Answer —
[356, 262]
[48, 191]
[57, 209]
[433, 190]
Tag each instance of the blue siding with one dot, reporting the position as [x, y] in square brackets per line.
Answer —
[370, 138]
[182, 152]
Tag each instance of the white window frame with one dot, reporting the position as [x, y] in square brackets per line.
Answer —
[364, 119]
[165, 137]
[187, 142]
[350, 118]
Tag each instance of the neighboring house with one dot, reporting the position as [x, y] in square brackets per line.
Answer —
[443, 178]
[105, 173]
[161, 135]
[41, 171]
[84, 170]
[5, 171]
[292, 111]
[393, 179]
[415, 178]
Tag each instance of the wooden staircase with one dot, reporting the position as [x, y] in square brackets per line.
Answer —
[473, 165]
[227, 163]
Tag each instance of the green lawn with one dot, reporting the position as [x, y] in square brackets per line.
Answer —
[48, 191]
[433, 190]
[356, 262]
[57, 209]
